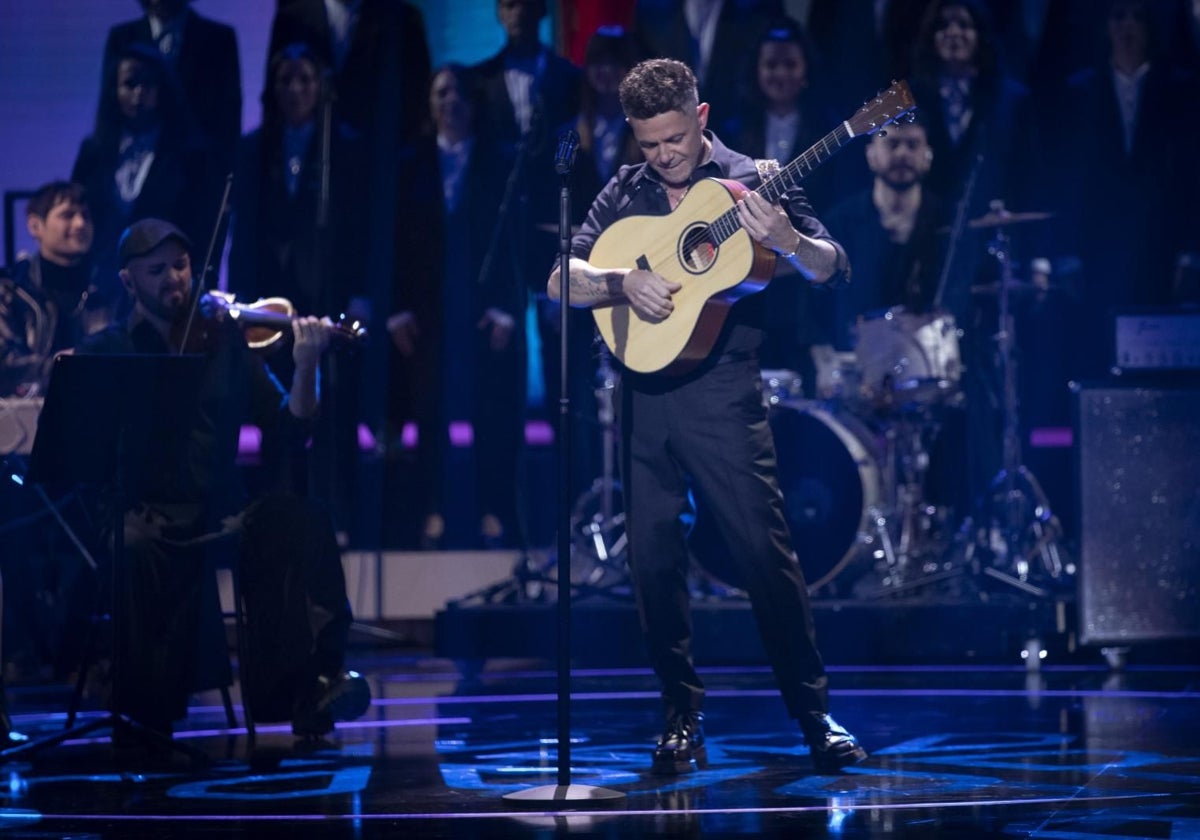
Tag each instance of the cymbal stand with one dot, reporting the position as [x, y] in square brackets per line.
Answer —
[908, 459]
[1019, 527]
[597, 521]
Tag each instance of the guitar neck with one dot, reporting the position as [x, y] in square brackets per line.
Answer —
[787, 177]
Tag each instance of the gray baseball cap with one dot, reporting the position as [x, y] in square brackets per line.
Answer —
[144, 236]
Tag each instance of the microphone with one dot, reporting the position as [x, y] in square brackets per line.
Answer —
[564, 155]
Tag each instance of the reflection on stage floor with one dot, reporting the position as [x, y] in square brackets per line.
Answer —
[956, 751]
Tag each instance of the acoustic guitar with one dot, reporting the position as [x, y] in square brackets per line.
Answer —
[701, 246]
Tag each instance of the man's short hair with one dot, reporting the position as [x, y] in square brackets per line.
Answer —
[658, 86]
[48, 196]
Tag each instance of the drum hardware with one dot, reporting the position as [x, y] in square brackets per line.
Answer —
[998, 217]
[1017, 288]
[18, 428]
[831, 468]
[780, 386]
[1015, 538]
[838, 376]
[598, 541]
[915, 556]
[908, 369]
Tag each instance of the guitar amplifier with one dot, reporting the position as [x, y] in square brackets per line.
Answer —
[1157, 341]
[18, 424]
[1139, 505]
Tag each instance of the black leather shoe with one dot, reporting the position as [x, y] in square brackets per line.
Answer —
[681, 748]
[831, 746]
[345, 696]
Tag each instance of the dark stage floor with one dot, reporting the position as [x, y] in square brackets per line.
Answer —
[978, 751]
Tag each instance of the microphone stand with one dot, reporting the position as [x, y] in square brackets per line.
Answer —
[564, 159]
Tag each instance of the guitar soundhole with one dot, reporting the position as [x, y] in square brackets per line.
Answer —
[696, 249]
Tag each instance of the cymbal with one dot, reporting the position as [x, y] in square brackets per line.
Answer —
[997, 218]
[1016, 287]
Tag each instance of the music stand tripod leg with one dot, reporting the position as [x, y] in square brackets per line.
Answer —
[121, 725]
[95, 426]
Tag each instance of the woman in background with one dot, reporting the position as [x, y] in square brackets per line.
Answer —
[141, 161]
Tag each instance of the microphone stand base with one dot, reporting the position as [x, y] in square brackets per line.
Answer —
[563, 793]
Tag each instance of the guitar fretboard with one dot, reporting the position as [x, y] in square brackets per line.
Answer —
[727, 224]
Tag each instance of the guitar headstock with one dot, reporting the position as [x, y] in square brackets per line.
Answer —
[883, 110]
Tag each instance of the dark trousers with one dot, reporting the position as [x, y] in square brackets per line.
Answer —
[711, 431]
[173, 640]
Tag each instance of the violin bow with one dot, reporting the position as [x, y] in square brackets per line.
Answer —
[218, 228]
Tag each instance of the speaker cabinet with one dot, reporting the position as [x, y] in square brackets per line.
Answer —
[1139, 507]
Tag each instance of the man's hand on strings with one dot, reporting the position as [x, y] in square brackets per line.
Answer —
[650, 294]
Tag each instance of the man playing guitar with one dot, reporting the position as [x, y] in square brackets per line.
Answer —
[705, 427]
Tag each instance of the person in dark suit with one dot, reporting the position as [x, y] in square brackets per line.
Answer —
[987, 154]
[784, 111]
[293, 240]
[863, 45]
[455, 329]
[528, 95]
[979, 119]
[378, 62]
[201, 57]
[1127, 179]
[711, 38]
[605, 141]
[281, 245]
[375, 50]
[141, 160]
[780, 118]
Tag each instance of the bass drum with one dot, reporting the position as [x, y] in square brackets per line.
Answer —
[830, 474]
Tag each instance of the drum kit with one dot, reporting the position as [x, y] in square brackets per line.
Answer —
[854, 461]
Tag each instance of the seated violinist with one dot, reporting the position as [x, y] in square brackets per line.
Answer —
[196, 504]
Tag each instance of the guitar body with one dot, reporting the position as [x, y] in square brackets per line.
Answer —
[677, 247]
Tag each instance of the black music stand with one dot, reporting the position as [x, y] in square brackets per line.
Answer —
[104, 422]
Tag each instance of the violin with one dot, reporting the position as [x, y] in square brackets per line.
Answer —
[265, 321]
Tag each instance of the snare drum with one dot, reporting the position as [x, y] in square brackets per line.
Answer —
[830, 471]
[909, 359]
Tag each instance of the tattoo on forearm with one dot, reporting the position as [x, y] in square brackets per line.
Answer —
[596, 285]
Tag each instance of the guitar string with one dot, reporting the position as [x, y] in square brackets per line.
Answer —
[791, 175]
